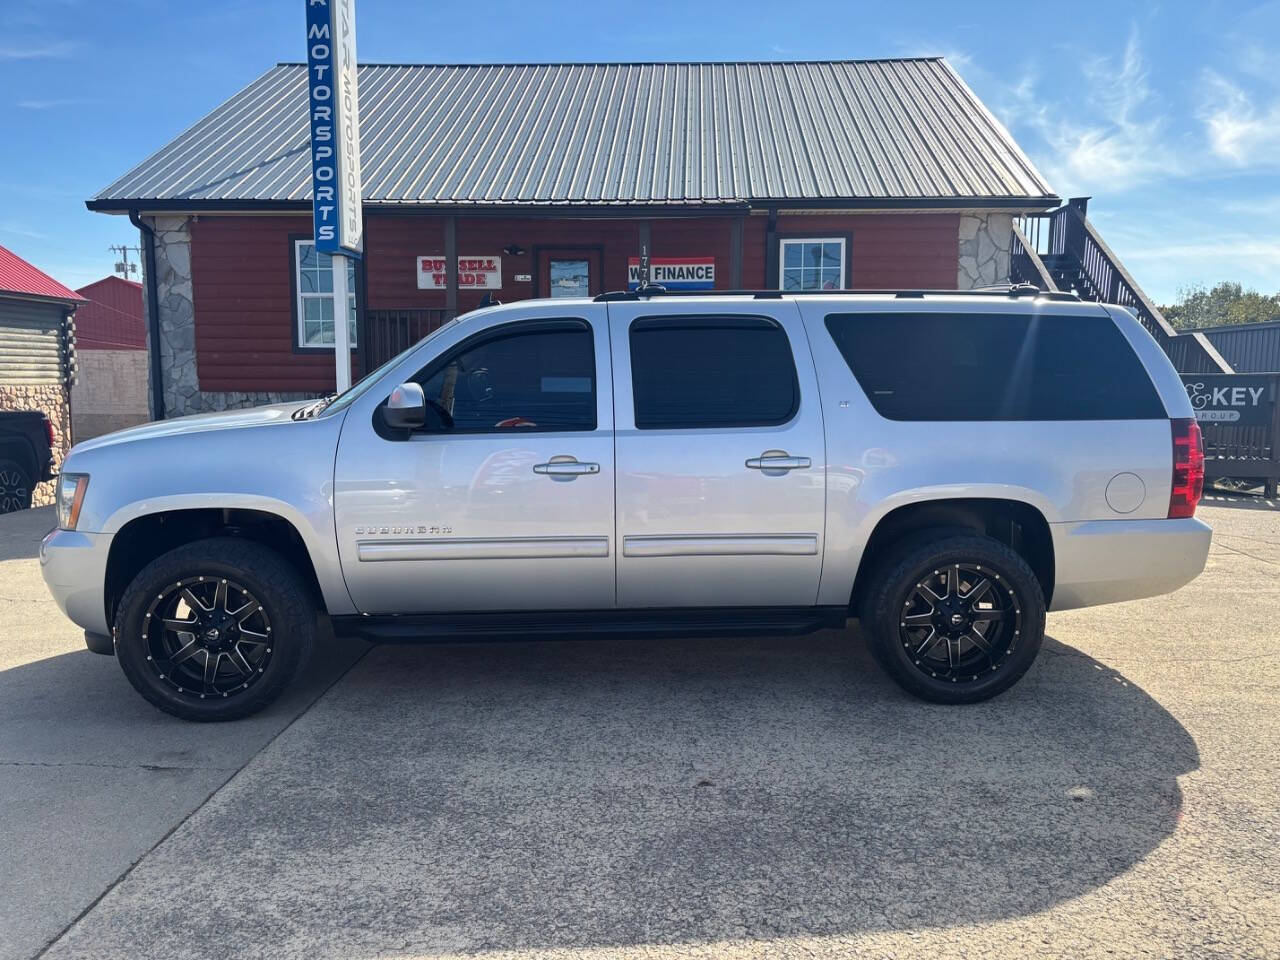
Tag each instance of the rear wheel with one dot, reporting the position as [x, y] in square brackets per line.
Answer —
[15, 486]
[214, 630]
[956, 620]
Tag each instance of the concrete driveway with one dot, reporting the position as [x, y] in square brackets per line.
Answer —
[763, 798]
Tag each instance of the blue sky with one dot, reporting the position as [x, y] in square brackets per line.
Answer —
[1167, 114]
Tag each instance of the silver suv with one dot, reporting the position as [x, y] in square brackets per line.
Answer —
[945, 467]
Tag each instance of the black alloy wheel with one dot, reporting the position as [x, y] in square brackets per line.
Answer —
[214, 629]
[15, 487]
[207, 637]
[960, 622]
[954, 620]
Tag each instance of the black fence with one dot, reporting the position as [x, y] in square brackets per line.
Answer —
[388, 332]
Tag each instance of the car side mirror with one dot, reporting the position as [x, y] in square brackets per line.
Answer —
[406, 408]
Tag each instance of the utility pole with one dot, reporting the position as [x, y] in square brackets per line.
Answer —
[123, 266]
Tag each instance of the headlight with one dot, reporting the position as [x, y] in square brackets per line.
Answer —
[71, 488]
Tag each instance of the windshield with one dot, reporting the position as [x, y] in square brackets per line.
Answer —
[358, 389]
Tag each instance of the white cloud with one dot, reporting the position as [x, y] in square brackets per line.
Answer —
[1177, 245]
[1121, 146]
[37, 51]
[51, 104]
[14, 229]
[1259, 251]
[1255, 206]
[1238, 130]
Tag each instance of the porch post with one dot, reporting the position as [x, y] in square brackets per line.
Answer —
[451, 266]
[772, 280]
[735, 253]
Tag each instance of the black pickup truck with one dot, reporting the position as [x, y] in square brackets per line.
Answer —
[26, 456]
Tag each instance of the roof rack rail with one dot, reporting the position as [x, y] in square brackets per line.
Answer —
[1009, 290]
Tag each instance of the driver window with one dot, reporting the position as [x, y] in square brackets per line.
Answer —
[531, 377]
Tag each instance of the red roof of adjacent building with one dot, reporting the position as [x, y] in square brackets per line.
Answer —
[18, 276]
[112, 318]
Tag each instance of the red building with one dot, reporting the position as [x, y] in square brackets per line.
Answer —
[525, 180]
[111, 316]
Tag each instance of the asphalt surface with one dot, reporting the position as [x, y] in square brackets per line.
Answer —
[753, 798]
[91, 776]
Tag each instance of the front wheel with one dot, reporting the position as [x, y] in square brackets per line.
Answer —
[957, 620]
[214, 630]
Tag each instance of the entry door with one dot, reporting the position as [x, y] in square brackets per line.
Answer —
[505, 501]
[720, 457]
[569, 272]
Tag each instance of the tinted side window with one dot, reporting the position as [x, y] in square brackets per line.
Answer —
[711, 372]
[534, 376]
[995, 367]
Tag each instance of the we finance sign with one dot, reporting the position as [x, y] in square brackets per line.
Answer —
[335, 126]
[675, 273]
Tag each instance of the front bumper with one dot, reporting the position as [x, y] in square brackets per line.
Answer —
[74, 566]
[1105, 561]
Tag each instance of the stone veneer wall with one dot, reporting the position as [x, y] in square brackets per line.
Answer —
[182, 393]
[984, 249]
[52, 400]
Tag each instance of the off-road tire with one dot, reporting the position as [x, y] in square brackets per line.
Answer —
[898, 576]
[273, 581]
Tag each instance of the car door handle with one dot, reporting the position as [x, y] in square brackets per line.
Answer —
[780, 462]
[565, 468]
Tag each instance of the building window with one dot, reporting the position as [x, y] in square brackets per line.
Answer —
[315, 295]
[812, 264]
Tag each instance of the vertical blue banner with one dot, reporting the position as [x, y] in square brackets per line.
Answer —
[335, 126]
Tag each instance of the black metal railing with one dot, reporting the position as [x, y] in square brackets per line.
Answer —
[388, 332]
[1068, 246]
[1025, 265]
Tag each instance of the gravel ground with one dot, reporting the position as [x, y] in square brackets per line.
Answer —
[753, 798]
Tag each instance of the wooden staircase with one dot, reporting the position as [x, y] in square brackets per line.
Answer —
[1060, 250]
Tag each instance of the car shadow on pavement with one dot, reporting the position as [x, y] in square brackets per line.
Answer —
[558, 795]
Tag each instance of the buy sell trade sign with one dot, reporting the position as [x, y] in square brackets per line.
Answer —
[474, 273]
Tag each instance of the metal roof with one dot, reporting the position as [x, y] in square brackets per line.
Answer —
[1248, 347]
[21, 278]
[867, 132]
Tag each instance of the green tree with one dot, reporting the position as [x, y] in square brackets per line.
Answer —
[1198, 306]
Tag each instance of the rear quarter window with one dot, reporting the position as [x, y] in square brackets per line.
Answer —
[1006, 366]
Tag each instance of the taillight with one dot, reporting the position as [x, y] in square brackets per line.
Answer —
[1188, 468]
[48, 432]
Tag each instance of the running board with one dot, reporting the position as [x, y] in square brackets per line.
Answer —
[582, 624]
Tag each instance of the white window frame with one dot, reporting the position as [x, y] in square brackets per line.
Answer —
[783, 242]
[300, 296]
